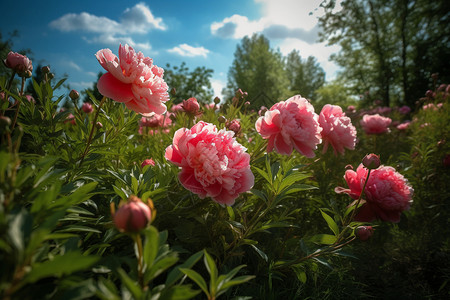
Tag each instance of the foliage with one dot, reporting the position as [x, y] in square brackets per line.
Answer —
[291, 236]
[195, 83]
[389, 48]
[305, 76]
[258, 70]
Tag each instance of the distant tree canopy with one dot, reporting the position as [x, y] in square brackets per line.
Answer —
[268, 77]
[389, 48]
[189, 84]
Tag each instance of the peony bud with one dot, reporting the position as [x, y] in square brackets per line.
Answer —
[191, 106]
[147, 162]
[234, 126]
[46, 69]
[429, 94]
[19, 63]
[364, 232]
[222, 119]
[371, 161]
[87, 107]
[98, 125]
[74, 95]
[5, 122]
[51, 76]
[247, 103]
[173, 91]
[133, 215]
[262, 110]
[217, 100]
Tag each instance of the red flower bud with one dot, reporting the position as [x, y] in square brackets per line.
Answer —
[132, 216]
[147, 162]
[371, 161]
[191, 106]
[87, 107]
[234, 125]
[74, 95]
[364, 232]
[19, 63]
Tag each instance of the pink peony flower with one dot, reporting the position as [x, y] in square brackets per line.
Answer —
[19, 63]
[404, 110]
[87, 107]
[147, 162]
[351, 108]
[375, 124]
[133, 80]
[291, 124]
[404, 125]
[338, 129]
[430, 106]
[213, 163]
[387, 193]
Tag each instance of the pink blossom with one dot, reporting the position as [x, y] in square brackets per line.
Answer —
[404, 110]
[338, 129]
[404, 125]
[147, 162]
[30, 98]
[212, 163]
[156, 120]
[211, 106]
[87, 107]
[386, 195]
[133, 79]
[351, 109]
[375, 124]
[291, 124]
[177, 108]
[70, 119]
[18, 62]
[191, 106]
[430, 106]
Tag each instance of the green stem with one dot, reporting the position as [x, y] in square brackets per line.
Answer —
[18, 104]
[138, 240]
[86, 150]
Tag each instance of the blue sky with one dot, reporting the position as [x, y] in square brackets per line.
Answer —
[67, 34]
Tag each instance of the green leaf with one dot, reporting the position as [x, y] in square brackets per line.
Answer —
[134, 185]
[212, 270]
[325, 239]
[151, 245]
[236, 281]
[263, 174]
[260, 252]
[176, 274]
[197, 278]
[331, 223]
[61, 265]
[160, 265]
[130, 284]
[291, 179]
[179, 292]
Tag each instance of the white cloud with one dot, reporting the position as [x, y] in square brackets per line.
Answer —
[217, 85]
[189, 51]
[73, 65]
[116, 40]
[280, 19]
[136, 20]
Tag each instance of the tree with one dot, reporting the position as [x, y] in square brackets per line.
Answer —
[259, 71]
[305, 76]
[389, 48]
[189, 84]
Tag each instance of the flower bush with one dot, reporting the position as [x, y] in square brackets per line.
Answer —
[123, 199]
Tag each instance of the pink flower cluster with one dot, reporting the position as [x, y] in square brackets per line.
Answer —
[338, 130]
[386, 195]
[291, 124]
[212, 163]
[375, 124]
[133, 79]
